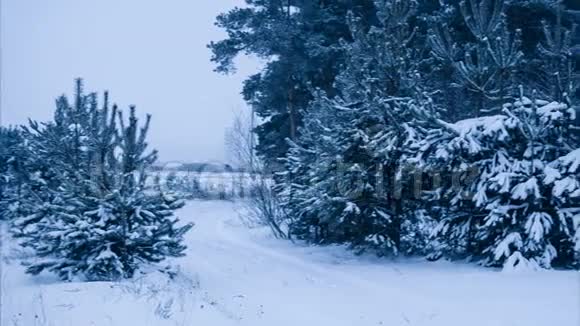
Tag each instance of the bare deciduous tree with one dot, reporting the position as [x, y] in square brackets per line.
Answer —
[262, 206]
[241, 141]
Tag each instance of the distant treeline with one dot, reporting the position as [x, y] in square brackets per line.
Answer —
[196, 167]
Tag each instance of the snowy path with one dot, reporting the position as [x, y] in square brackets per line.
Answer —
[236, 276]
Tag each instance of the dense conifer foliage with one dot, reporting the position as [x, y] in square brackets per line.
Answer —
[444, 128]
[516, 204]
[80, 198]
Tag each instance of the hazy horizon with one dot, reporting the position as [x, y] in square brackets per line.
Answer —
[146, 53]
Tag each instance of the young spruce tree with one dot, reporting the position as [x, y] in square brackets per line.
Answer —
[516, 205]
[96, 216]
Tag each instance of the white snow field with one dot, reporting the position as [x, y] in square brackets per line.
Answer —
[233, 275]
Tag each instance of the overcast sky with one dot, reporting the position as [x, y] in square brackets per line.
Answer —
[149, 53]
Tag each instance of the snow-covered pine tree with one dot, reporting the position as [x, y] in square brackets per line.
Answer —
[97, 217]
[485, 64]
[342, 171]
[558, 63]
[309, 166]
[540, 21]
[563, 177]
[57, 158]
[13, 172]
[300, 42]
[519, 209]
[139, 222]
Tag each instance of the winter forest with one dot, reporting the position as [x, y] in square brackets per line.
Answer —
[397, 162]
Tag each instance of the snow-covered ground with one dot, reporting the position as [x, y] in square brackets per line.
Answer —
[233, 275]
